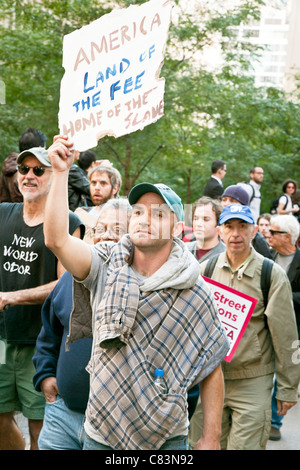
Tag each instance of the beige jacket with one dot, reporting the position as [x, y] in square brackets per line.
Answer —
[264, 350]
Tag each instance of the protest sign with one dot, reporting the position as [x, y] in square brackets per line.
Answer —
[235, 310]
[111, 84]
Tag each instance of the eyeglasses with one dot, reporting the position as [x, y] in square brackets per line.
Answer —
[113, 232]
[37, 170]
[275, 231]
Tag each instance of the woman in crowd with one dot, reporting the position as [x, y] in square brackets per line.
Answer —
[285, 205]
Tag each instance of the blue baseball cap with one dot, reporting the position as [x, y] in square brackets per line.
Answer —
[172, 200]
[236, 211]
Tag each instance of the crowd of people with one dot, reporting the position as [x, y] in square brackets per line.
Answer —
[99, 290]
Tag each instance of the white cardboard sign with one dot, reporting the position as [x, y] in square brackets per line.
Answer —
[111, 84]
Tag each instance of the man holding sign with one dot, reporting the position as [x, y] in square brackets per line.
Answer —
[266, 346]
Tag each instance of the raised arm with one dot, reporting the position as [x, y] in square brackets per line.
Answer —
[73, 253]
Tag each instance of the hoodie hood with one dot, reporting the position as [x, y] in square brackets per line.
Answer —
[180, 271]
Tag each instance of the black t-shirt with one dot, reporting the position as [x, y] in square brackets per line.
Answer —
[25, 262]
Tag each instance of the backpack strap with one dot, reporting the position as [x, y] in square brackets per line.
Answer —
[253, 191]
[286, 202]
[265, 281]
[265, 278]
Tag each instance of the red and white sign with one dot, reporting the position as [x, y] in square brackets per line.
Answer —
[235, 310]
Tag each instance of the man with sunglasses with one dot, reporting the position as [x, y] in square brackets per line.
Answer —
[9, 189]
[29, 272]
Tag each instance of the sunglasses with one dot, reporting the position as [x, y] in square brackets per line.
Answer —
[275, 231]
[37, 170]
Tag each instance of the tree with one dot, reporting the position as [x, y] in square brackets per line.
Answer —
[30, 65]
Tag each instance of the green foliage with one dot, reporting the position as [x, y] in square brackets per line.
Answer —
[30, 62]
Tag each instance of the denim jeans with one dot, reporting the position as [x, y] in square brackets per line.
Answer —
[62, 428]
[176, 443]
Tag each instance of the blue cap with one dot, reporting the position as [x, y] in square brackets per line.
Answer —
[236, 211]
[172, 200]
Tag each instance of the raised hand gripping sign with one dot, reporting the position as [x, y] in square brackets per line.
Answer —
[111, 84]
[235, 310]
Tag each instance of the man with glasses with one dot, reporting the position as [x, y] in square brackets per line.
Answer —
[29, 271]
[113, 220]
[9, 189]
[284, 235]
[267, 346]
